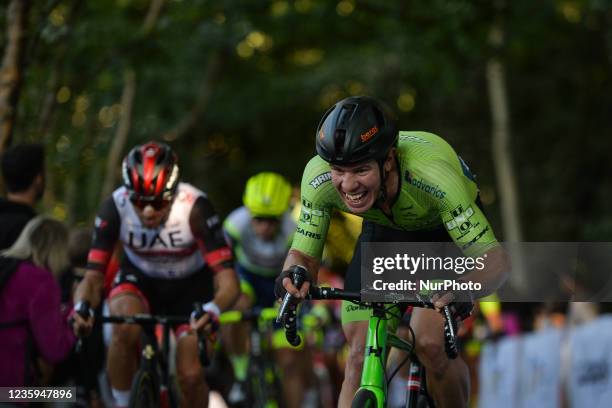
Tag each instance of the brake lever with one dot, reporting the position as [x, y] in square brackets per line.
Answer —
[298, 281]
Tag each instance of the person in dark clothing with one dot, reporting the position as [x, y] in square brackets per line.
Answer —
[32, 322]
[23, 171]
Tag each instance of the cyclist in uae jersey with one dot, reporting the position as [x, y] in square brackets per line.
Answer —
[175, 255]
[408, 186]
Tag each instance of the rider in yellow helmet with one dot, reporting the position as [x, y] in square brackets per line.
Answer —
[260, 233]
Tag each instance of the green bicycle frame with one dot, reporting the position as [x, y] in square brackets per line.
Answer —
[377, 342]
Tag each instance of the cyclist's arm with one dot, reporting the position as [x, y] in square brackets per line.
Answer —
[106, 234]
[317, 199]
[470, 229]
[206, 228]
[493, 275]
[227, 288]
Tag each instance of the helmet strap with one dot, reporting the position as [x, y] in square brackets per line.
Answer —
[384, 176]
[382, 195]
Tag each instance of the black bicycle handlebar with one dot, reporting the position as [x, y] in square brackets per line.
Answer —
[326, 293]
[289, 315]
[145, 319]
[151, 320]
[288, 311]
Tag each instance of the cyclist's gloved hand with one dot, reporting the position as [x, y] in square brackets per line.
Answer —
[205, 316]
[82, 318]
[461, 303]
[284, 282]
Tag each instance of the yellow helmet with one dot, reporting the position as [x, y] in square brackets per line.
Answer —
[267, 194]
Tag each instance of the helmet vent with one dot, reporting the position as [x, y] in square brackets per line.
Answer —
[345, 115]
[380, 119]
[339, 137]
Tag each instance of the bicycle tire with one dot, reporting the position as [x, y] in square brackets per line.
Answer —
[173, 396]
[274, 388]
[256, 389]
[364, 399]
[145, 391]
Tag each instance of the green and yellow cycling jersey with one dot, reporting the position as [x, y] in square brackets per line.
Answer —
[436, 188]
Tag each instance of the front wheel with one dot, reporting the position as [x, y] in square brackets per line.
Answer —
[145, 391]
[365, 399]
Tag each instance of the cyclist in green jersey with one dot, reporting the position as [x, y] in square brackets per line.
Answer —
[407, 186]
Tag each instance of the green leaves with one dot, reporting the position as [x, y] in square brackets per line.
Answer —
[282, 63]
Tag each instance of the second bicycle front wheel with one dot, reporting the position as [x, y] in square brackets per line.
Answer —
[145, 391]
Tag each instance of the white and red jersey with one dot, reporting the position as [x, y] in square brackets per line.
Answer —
[189, 239]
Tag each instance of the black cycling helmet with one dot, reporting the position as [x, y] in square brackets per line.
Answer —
[356, 129]
[150, 172]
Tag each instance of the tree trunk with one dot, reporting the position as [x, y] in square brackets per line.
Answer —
[150, 20]
[123, 130]
[189, 121]
[127, 102]
[48, 104]
[502, 158]
[11, 73]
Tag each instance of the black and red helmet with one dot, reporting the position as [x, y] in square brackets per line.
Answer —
[356, 129]
[150, 173]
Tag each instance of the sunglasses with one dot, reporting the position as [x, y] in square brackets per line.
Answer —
[157, 203]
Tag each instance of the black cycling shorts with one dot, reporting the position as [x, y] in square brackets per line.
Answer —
[165, 296]
[372, 232]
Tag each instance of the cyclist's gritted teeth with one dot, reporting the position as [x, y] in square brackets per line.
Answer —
[356, 200]
[355, 197]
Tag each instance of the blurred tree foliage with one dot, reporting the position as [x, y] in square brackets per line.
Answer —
[238, 87]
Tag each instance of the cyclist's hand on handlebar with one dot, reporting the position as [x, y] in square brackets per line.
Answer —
[82, 319]
[461, 305]
[442, 299]
[205, 317]
[284, 283]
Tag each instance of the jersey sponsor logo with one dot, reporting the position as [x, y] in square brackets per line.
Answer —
[428, 188]
[476, 238]
[310, 216]
[308, 234]
[172, 240]
[461, 219]
[100, 223]
[353, 308]
[369, 134]
[413, 138]
[320, 179]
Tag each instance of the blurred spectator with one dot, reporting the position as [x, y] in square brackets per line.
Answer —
[24, 179]
[31, 319]
[81, 369]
